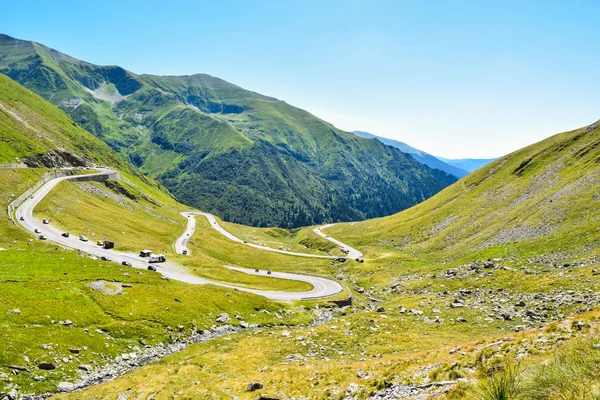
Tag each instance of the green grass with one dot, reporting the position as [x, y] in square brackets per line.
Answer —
[296, 240]
[49, 286]
[413, 249]
[144, 225]
[555, 190]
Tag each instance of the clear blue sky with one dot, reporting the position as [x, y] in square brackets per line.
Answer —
[454, 78]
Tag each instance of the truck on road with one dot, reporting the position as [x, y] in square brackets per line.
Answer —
[157, 258]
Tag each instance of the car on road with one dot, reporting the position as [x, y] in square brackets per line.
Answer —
[126, 263]
[151, 268]
[268, 272]
[43, 237]
[104, 258]
[83, 238]
[37, 230]
[22, 218]
[45, 221]
[65, 234]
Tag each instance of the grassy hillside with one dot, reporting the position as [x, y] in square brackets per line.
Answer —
[80, 313]
[537, 199]
[483, 282]
[246, 157]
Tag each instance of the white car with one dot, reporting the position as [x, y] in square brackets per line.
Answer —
[37, 230]
[83, 238]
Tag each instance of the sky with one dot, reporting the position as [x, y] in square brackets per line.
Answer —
[457, 79]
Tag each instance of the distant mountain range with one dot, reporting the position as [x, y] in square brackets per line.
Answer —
[246, 157]
[419, 155]
[458, 168]
[468, 164]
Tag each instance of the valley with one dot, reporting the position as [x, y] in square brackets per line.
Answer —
[181, 237]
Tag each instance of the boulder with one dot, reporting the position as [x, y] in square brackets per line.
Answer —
[254, 386]
[46, 366]
[65, 387]
[223, 318]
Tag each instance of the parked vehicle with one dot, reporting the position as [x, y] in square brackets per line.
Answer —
[43, 237]
[37, 230]
[65, 234]
[184, 252]
[126, 263]
[104, 258]
[108, 245]
[157, 258]
[45, 221]
[151, 268]
[100, 243]
[83, 238]
[145, 253]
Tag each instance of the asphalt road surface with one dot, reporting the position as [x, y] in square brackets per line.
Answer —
[180, 244]
[24, 215]
[351, 252]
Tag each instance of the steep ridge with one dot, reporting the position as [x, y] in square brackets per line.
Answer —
[246, 157]
[419, 155]
[540, 198]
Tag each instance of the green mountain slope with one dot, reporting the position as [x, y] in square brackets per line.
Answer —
[50, 309]
[247, 157]
[541, 198]
[491, 275]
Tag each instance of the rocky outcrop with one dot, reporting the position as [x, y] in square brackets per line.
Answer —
[56, 159]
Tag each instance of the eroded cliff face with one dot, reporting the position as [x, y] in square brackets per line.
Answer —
[57, 159]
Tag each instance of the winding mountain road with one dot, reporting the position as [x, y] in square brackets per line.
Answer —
[351, 252]
[181, 243]
[322, 287]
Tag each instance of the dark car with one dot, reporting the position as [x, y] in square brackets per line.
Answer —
[104, 258]
[22, 218]
[268, 272]
[65, 234]
[151, 268]
[43, 237]
[126, 263]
